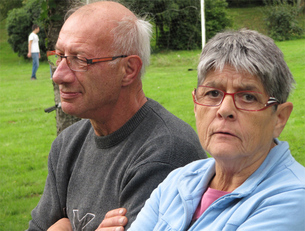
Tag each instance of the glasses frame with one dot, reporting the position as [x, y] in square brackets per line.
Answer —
[88, 61]
[271, 100]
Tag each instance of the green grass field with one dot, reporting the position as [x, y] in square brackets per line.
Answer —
[26, 131]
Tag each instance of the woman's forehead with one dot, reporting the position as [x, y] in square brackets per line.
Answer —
[229, 77]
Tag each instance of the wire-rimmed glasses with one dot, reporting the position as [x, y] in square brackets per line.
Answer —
[243, 100]
[77, 63]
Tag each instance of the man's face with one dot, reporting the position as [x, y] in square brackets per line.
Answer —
[229, 133]
[87, 94]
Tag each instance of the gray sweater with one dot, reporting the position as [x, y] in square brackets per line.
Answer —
[90, 175]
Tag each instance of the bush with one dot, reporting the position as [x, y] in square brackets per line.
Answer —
[19, 25]
[281, 20]
[6, 6]
[216, 17]
[245, 3]
[178, 22]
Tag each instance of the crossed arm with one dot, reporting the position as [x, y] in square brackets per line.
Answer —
[114, 220]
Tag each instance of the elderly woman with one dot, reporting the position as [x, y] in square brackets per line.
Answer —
[252, 182]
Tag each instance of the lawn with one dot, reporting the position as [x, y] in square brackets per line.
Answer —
[26, 131]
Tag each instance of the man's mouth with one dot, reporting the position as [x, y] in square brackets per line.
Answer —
[69, 94]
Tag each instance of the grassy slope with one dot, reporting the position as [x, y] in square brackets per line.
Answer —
[26, 132]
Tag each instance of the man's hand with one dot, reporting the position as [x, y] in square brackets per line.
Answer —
[114, 220]
[61, 225]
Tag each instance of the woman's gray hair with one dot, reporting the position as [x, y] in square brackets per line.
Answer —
[132, 37]
[250, 51]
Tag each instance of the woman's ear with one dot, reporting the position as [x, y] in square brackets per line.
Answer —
[133, 67]
[193, 94]
[282, 115]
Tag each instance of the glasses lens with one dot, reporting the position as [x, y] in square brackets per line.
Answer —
[209, 96]
[76, 63]
[249, 100]
[54, 60]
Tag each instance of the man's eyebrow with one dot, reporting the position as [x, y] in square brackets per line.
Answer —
[56, 48]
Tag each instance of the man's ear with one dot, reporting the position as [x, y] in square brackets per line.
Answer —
[133, 67]
[282, 115]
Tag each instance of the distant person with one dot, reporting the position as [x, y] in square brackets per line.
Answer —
[126, 143]
[252, 182]
[33, 50]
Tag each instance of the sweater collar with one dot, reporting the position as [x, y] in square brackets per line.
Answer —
[113, 139]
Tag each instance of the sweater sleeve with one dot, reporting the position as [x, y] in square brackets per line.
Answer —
[49, 208]
[139, 188]
[156, 162]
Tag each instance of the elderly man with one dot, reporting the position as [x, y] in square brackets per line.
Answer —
[126, 144]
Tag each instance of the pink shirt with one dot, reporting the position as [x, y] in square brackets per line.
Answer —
[207, 199]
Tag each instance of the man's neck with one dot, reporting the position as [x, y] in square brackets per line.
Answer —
[117, 117]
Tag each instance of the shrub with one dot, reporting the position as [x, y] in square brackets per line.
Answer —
[6, 6]
[178, 22]
[245, 3]
[216, 17]
[281, 20]
[19, 25]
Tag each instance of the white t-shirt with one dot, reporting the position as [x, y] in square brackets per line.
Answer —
[35, 45]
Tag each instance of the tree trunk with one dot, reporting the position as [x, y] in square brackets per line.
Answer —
[56, 20]
[63, 120]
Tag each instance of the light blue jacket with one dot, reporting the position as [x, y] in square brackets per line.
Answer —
[272, 198]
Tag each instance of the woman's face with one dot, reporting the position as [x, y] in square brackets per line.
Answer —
[228, 133]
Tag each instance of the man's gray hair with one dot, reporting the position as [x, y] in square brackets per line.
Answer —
[132, 37]
[250, 51]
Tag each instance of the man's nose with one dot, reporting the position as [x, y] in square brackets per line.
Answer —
[63, 73]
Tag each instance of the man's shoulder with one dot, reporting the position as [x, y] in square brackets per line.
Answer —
[77, 129]
[165, 131]
[169, 120]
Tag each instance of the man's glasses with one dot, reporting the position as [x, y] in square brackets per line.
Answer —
[243, 100]
[77, 63]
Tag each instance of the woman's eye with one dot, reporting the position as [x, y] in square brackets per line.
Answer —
[213, 93]
[249, 97]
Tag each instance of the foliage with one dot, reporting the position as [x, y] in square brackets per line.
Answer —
[178, 22]
[245, 3]
[216, 16]
[26, 132]
[281, 19]
[6, 6]
[19, 25]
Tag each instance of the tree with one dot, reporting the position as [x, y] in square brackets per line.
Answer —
[53, 16]
[19, 25]
[177, 22]
[6, 6]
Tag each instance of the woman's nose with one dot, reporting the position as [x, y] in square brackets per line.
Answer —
[227, 108]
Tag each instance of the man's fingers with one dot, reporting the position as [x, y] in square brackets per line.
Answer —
[116, 212]
[114, 222]
[111, 229]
